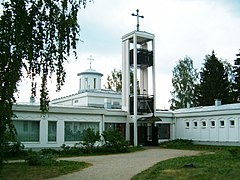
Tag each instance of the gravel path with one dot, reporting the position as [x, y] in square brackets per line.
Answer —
[122, 166]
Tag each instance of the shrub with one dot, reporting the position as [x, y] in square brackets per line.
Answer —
[114, 142]
[15, 149]
[37, 159]
[177, 143]
[67, 150]
[49, 151]
[90, 137]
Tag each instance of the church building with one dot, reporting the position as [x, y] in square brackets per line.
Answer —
[134, 114]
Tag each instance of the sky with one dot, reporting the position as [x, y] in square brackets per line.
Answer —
[182, 28]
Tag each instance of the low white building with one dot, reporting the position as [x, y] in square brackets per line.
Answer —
[134, 115]
[64, 124]
[211, 124]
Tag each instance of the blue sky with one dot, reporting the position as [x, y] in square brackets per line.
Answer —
[182, 28]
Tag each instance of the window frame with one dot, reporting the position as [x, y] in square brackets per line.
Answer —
[187, 124]
[213, 123]
[222, 123]
[204, 124]
[232, 125]
[55, 140]
[195, 124]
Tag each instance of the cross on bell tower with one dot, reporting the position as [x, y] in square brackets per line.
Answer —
[138, 16]
[90, 59]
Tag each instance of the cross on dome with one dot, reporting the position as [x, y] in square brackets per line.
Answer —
[138, 16]
[90, 59]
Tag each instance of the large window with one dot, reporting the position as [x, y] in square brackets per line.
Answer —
[74, 130]
[116, 126]
[27, 131]
[52, 131]
[163, 131]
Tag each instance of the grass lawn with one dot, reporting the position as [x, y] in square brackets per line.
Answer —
[24, 171]
[218, 165]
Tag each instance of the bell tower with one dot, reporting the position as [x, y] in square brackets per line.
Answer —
[138, 56]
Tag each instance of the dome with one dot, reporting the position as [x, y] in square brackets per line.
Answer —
[89, 79]
[90, 71]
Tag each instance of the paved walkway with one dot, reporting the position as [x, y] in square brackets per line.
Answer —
[122, 166]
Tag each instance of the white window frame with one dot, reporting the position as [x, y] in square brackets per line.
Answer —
[204, 124]
[213, 121]
[195, 124]
[220, 123]
[234, 123]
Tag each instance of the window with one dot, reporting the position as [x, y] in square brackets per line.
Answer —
[195, 124]
[76, 101]
[75, 128]
[232, 123]
[25, 126]
[94, 83]
[73, 131]
[221, 123]
[86, 83]
[52, 131]
[80, 83]
[187, 124]
[116, 126]
[212, 123]
[204, 124]
[27, 131]
[163, 131]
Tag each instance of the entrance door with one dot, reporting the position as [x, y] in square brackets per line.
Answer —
[147, 135]
[142, 135]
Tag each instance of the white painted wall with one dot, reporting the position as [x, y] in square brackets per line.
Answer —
[227, 114]
[62, 115]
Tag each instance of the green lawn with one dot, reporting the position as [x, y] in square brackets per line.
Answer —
[222, 163]
[23, 171]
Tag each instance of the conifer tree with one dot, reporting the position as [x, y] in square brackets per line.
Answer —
[214, 83]
[236, 84]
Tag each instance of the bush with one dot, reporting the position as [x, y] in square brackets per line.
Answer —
[49, 151]
[67, 150]
[37, 159]
[15, 149]
[114, 142]
[90, 137]
[177, 143]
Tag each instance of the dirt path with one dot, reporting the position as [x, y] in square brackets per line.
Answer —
[122, 166]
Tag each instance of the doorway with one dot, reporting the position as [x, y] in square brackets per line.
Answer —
[147, 134]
